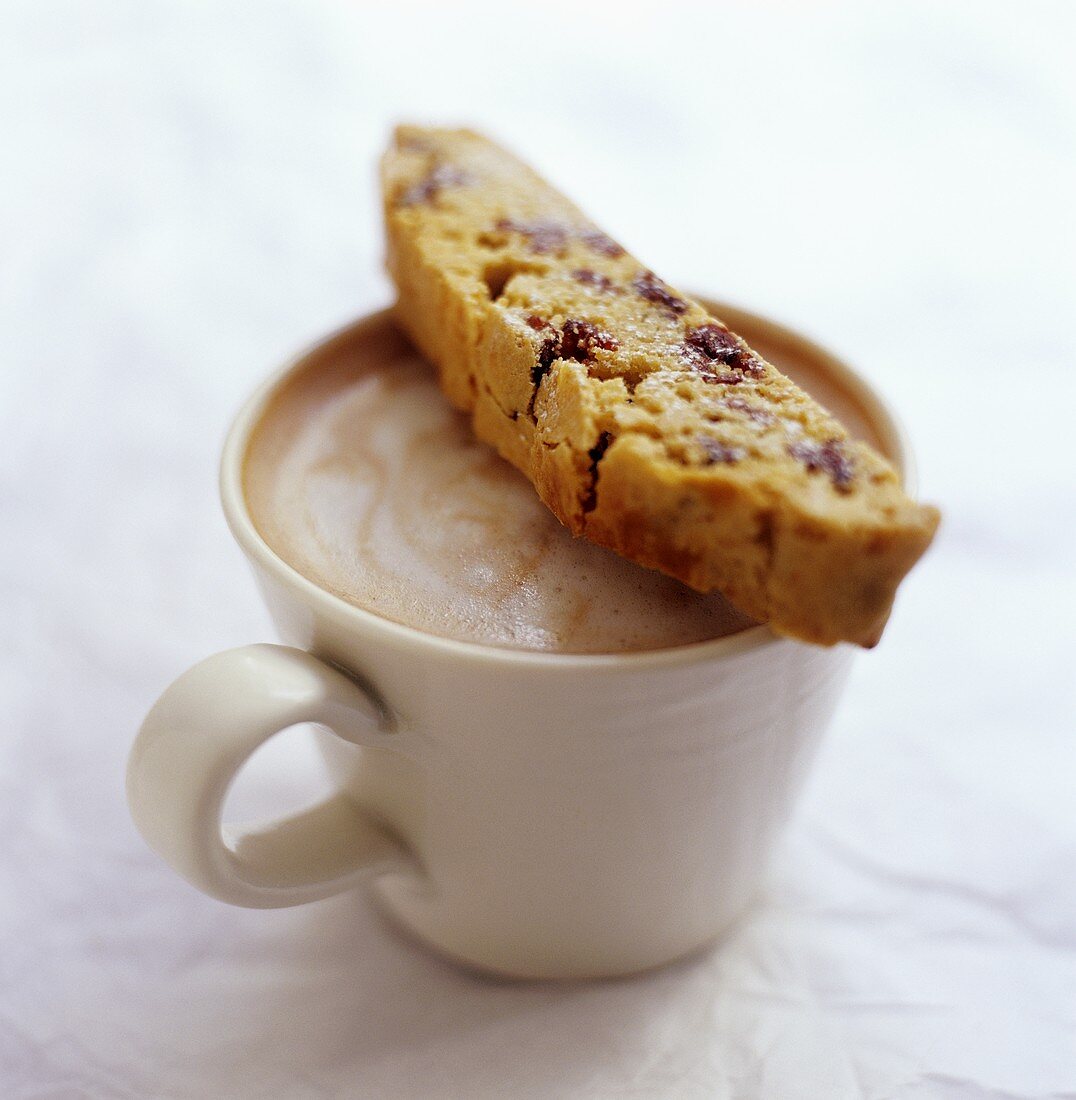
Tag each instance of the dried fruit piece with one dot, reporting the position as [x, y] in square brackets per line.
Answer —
[829, 457]
[647, 285]
[439, 177]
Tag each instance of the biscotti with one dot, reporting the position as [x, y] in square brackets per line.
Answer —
[642, 421]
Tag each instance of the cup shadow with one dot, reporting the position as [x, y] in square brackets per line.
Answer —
[354, 1006]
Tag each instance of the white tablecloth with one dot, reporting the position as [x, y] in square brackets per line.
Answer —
[186, 197]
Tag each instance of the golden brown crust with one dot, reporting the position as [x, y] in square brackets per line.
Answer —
[642, 422]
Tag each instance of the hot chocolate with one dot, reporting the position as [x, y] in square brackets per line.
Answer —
[361, 477]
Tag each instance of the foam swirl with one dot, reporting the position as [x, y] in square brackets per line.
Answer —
[362, 478]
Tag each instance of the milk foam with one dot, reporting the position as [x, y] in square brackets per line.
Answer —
[362, 478]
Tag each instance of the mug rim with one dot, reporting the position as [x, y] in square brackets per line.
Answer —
[887, 427]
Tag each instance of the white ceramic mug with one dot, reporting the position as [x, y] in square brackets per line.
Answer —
[533, 814]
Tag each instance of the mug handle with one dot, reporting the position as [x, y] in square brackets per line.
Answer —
[196, 739]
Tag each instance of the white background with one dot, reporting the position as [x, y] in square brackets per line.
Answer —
[187, 197]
